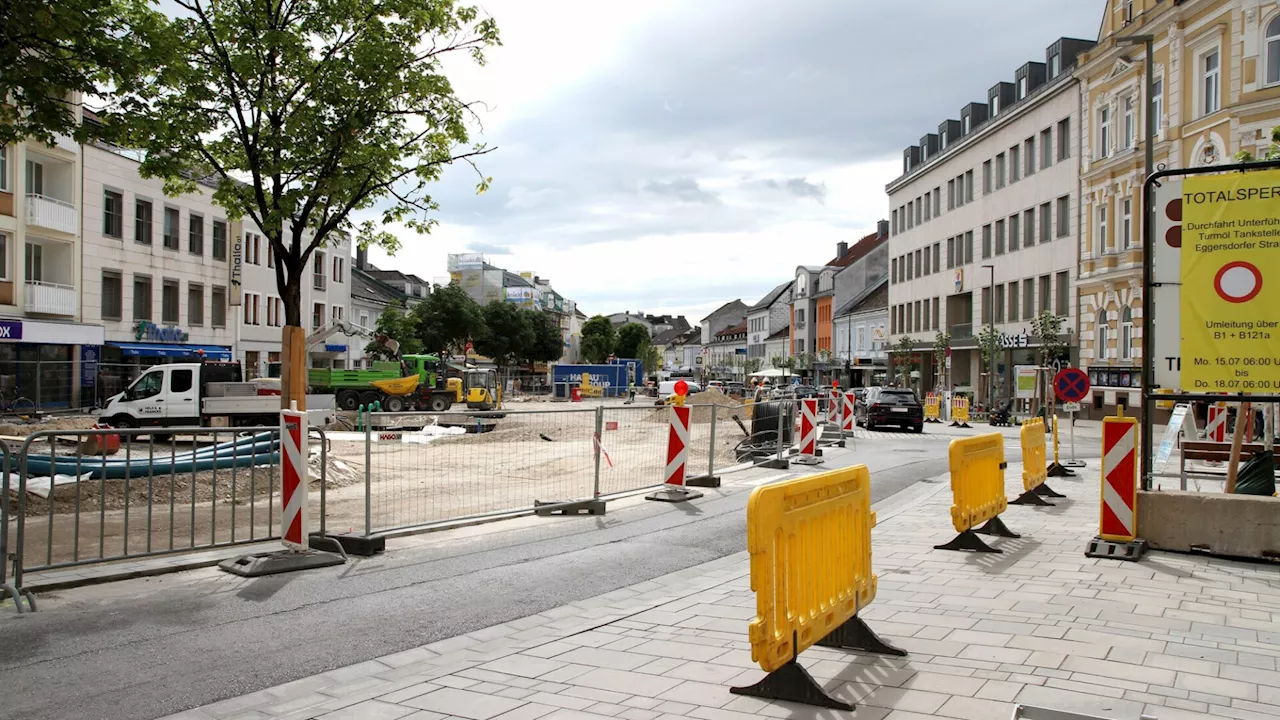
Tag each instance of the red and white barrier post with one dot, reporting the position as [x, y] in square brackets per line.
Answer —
[846, 417]
[1118, 513]
[1216, 427]
[293, 478]
[674, 488]
[297, 553]
[807, 449]
[834, 407]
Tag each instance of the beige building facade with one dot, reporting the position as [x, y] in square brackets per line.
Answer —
[1217, 92]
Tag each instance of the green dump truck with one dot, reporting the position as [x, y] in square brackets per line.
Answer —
[354, 388]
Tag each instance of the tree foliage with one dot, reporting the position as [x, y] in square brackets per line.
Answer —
[447, 319]
[631, 337]
[989, 342]
[1272, 153]
[1047, 329]
[901, 354]
[398, 325]
[548, 340]
[941, 343]
[598, 339]
[508, 334]
[324, 108]
[51, 52]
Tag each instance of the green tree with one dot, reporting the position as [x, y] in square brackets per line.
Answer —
[394, 323]
[447, 319]
[548, 340]
[1047, 329]
[508, 334]
[631, 337]
[307, 112]
[650, 356]
[902, 360]
[990, 343]
[1272, 153]
[941, 343]
[598, 339]
[52, 52]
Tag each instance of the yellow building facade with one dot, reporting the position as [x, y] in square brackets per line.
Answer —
[1217, 75]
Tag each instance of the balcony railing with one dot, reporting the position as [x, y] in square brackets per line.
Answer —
[51, 213]
[50, 298]
[800, 324]
[317, 282]
[960, 332]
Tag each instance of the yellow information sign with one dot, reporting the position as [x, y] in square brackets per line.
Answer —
[1231, 282]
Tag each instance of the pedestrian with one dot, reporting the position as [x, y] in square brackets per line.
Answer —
[631, 391]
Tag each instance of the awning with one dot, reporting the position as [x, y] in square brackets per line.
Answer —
[211, 352]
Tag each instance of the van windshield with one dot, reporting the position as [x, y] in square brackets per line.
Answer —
[147, 385]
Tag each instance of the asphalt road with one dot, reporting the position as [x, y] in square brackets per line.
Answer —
[146, 648]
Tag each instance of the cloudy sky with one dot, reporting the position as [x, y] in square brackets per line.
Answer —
[671, 156]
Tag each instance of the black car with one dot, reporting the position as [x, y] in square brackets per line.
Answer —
[890, 406]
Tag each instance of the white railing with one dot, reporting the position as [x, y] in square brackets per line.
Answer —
[52, 213]
[50, 298]
[66, 142]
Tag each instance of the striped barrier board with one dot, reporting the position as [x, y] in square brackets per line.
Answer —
[293, 478]
[846, 410]
[1216, 428]
[1118, 512]
[807, 448]
[674, 489]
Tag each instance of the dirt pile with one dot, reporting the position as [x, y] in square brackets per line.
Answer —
[701, 404]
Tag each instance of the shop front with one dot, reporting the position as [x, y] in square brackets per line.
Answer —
[47, 364]
[121, 361]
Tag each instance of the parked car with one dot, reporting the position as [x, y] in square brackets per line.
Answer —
[667, 388]
[890, 406]
[735, 389]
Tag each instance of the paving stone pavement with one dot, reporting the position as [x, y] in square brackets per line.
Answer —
[1179, 637]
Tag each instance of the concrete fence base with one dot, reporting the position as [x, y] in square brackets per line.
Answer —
[1219, 524]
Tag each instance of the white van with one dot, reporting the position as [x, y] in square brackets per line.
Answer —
[667, 388]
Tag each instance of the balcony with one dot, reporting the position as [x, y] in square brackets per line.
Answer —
[53, 214]
[50, 298]
[799, 324]
[960, 331]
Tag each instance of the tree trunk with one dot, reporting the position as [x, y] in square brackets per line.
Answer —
[1237, 439]
[293, 346]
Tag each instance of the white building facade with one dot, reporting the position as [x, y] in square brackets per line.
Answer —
[984, 226]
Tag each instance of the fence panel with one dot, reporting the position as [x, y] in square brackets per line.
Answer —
[633, 445]
[192, 488]
[424, 469]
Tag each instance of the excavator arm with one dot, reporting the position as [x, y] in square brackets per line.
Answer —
[342, 327]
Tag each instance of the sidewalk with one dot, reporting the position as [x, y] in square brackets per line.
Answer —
[1178, 637]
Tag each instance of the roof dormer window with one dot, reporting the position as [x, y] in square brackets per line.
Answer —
[995, 105]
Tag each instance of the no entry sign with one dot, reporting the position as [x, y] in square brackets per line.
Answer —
[1071, 384]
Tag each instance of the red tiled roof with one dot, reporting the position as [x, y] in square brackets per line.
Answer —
[859, 250]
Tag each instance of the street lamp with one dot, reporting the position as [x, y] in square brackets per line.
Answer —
[991, 359]
[1148, 308]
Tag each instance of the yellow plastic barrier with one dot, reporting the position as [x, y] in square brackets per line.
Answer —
[932, 407]
[810, 545]
[977, 487]
[960, 411]
[1035, 467]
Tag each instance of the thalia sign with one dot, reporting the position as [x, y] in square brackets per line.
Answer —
[150, 331]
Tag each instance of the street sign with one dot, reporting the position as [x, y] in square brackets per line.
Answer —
[1230, 273]
[1071, 385]
[1071, 407]
[1025, 376]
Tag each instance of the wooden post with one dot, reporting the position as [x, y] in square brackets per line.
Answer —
[1237, 439]
[293, 367]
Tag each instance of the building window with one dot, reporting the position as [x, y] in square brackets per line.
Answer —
[927, 262]
[1210, 84]
[195, 234]
[937, 256]
[1126, 223]
[893, 271]
[919, 208]
[317, 316]
[34, 262]
[936, 307]
[995, 105]
[336, 315]
[1157, 102]
[1022, 87]
[1055, 65]
[252, 249]
[1046, 148]
[927, 206]
[337, 269]
[1015, 164]
[1104, 132]
[1273, 51]
[965, 125]
[4, 168]
[968, 247]
[911, 268]
[171, 228]
[1029, 227]
[951, 253]
[998, 304]
[141, 297]
[112, 214]
[986, 305]
[986, 178]
[219, 240]
[1102, 228]
[968, 186]
[986, 241]
[275, 312]
[252, 309]
[937, 201]
[195, 304]
[1064, 293]
[1045, 290]
[1046, 220]
[1064, 139]
[218, 306]
[1000, 241]
[1000, 171]
[1013, 301]
[112, 295]
[911, 214]
[927, 309]
[1028, 298]
[1126, 334]
[1130, 124]
[142, 222]
[1015, 232]
[35, 178]
[1104, 335]
[169, 302]
[1029, 156]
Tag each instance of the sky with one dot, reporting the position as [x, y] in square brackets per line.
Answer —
[668, 157]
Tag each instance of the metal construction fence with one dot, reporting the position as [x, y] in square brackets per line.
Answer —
[71, 498]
